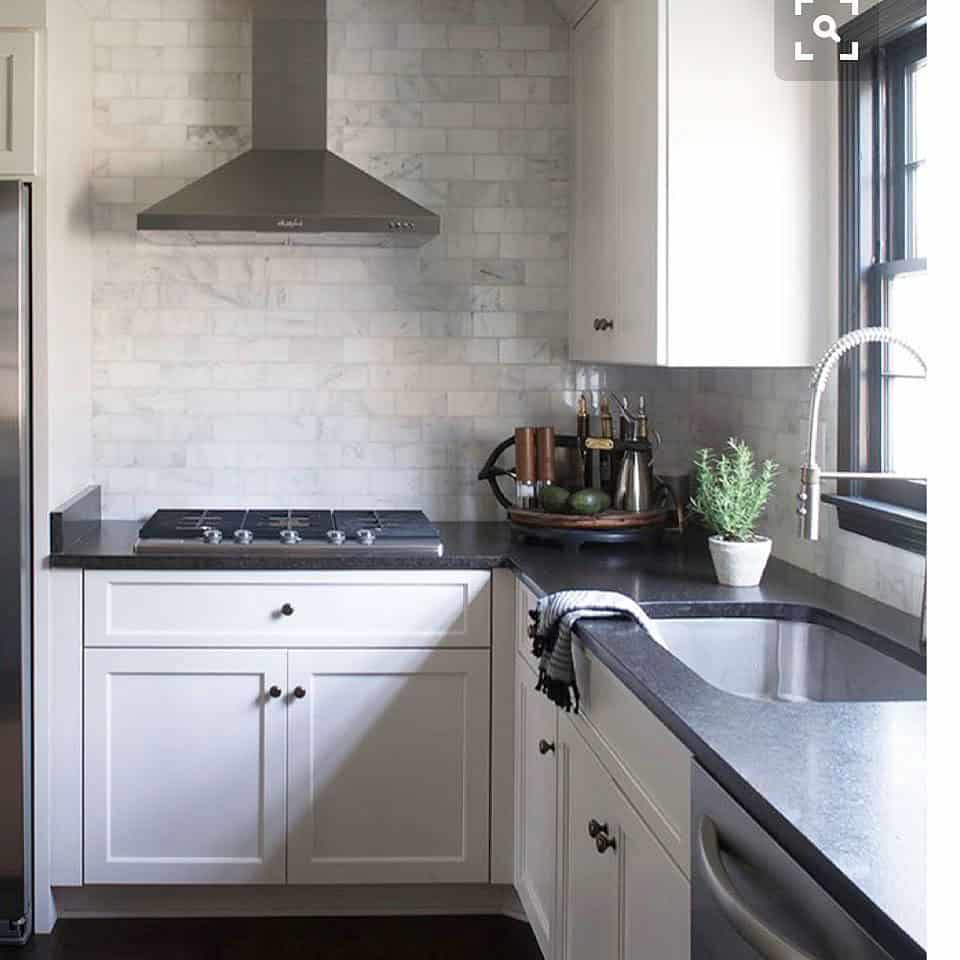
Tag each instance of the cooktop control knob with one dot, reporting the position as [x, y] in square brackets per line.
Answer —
[290, 537]
[212, 535]
[243, 536]
[336, 537]
[366, 537]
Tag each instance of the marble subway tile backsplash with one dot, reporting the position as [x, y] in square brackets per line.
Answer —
[261, 375]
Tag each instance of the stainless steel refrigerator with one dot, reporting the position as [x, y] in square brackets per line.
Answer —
[16, 561]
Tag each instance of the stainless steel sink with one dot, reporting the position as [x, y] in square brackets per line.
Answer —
[787, 660]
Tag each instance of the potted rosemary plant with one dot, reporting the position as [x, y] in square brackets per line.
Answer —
[732, 493]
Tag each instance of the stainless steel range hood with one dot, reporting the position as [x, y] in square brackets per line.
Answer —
[289, 188]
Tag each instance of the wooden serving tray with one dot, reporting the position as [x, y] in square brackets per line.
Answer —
[611, 520]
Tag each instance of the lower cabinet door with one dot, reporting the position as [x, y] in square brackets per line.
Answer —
[184, 766]
[389, 766]
[535, 806]
[623, 898]
[655, 895]
[589, 880]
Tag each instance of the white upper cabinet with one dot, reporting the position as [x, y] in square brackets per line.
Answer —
[18, 103]
[704, 190]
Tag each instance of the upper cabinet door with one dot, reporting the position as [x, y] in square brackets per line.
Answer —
[704, 193]
[18, 103]
[389, 766]
[594, 310]
[184, 766]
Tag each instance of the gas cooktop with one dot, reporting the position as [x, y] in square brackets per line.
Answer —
[320, 533]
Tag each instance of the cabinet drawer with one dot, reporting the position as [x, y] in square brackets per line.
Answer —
[18, 103]
[650, 765]
[434, 608]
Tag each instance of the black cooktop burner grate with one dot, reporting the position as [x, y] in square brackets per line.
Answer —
[266, 525]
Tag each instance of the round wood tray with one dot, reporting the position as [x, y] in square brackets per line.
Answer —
[609, 520]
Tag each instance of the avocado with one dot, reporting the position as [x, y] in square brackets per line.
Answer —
[554, 499]
[589, 502]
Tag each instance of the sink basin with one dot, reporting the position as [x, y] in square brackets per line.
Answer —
[787, 660]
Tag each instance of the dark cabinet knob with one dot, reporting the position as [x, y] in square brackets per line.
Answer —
[602, 323]
[595, 828]
[605, 843]
[299, 692]
[287, 610]
[545, 747]
[275, 692]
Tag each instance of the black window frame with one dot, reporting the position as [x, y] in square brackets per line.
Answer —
[872, 238]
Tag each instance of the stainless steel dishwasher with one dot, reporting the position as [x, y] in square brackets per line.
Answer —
[751, 900]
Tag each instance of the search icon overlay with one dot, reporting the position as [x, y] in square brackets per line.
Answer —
[808, 38]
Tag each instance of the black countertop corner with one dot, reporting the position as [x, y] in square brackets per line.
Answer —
[841, 786]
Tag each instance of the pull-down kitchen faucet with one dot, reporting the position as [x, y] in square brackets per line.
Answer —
[808, 499]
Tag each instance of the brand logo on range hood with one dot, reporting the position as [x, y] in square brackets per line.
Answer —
[292, 223]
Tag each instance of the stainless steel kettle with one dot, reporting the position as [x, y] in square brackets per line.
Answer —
[636, 489]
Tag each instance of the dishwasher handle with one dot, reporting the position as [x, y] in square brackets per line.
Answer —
[770, 944]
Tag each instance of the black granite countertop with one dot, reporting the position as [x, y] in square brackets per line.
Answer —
[842, 786]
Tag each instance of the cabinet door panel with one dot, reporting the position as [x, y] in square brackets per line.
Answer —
[184, 766]
[18, 102]
[535, 849]
[589, 880]
[596, 217]
[655, 912]
[389, 766]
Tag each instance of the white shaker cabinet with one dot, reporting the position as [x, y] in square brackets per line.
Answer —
[535, 816]
[704, 189]
[18, 102]
[389, 766]
[184, 766]
[595, 303]
[621, 896]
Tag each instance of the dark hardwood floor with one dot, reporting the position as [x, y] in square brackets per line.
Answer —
[353, 938]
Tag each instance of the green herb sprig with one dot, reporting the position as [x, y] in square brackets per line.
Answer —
[731, 492]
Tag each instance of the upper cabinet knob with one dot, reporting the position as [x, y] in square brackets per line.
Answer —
[299, 692]
[287, 610]
[545, 747]
[275, 692]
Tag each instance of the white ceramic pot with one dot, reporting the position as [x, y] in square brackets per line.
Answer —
[740, 564]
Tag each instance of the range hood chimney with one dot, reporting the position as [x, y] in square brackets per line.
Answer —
[289, 188]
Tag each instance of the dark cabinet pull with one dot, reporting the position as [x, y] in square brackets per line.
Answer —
[545, 747]
[275, 692]
[299, 692]
[602, 323]
[605, 843]
[287, 610]
[595, 828]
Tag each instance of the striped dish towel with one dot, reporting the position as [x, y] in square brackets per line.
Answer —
[553, 622]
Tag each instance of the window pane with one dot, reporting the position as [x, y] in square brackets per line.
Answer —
[915, 155]
[907, 438]
[906, 395]
[916, 177]
[916, 104]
